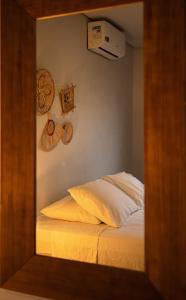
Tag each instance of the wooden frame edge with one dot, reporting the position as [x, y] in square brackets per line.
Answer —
[17, 210]
[25, 274]
[97, 278]
[39, 9]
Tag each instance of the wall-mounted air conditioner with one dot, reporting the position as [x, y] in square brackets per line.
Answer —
[105, 39]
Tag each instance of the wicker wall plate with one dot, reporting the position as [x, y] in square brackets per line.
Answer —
[51, 135]
[45, 92]
[67, 133]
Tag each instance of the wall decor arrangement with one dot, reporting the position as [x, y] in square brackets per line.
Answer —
[51, 135]
[67, 99]
[45, 91]
[53, 132]
[67, 133]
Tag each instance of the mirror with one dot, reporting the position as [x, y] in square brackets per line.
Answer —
[90, 156]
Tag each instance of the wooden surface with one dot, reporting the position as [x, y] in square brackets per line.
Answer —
[46, 8]
[17, 208]
[67, 280]
[164, 164]
[165, 125]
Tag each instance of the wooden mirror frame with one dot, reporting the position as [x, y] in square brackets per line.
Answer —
[165, 165]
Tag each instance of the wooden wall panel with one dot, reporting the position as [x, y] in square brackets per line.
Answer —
[48, 8]
[165, 168]
[17, 207]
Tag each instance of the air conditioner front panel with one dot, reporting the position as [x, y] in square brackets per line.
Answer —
[105, 39]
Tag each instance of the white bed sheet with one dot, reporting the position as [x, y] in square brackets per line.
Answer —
[119, 247]
[70, 240]
[124, 247]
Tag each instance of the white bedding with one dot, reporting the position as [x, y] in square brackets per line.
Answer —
[124, 246]
[70, 240]
[120, 247]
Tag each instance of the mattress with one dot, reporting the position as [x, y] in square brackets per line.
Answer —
[119, 247]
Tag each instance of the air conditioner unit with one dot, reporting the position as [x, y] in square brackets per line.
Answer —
[105, 39]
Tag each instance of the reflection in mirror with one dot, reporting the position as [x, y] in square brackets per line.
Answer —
[90, 164]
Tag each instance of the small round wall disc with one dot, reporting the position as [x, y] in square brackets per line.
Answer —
[67, 133]
[50, 127]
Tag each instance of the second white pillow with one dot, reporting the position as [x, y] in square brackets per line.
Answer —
[105, 201]
[129, 184]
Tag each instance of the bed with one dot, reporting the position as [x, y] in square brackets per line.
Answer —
[101, 244]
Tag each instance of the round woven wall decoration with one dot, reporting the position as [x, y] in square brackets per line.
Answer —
[51, 135]
[45, 91]
[67, 133]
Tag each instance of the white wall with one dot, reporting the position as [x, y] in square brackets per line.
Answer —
[138, 114]
[102, 119]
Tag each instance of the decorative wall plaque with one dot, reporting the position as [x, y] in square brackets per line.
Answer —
[45, 92]
[67, 133]
[67, 99]
[51, 135]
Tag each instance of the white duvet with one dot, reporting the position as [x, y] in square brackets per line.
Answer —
[119, 247]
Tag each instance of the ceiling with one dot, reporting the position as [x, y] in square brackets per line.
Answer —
[128, 17]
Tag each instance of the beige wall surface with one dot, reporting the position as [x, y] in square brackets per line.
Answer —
[138, 115]
[102, 118]
[9, 295]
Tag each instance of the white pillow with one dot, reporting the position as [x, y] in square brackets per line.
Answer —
[129, 184]
[67, 209]
[105, 201]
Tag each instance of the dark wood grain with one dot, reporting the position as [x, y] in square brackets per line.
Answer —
[48, 8]
[62, 279]
[17, 208]
[165, 167]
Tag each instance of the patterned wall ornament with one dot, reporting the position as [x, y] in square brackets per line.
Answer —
[67, 133]
[45, 91]
[67, 99]
[51, 135]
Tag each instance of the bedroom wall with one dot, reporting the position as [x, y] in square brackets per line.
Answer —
[138, 114]
[102, 119]
[9, 295]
